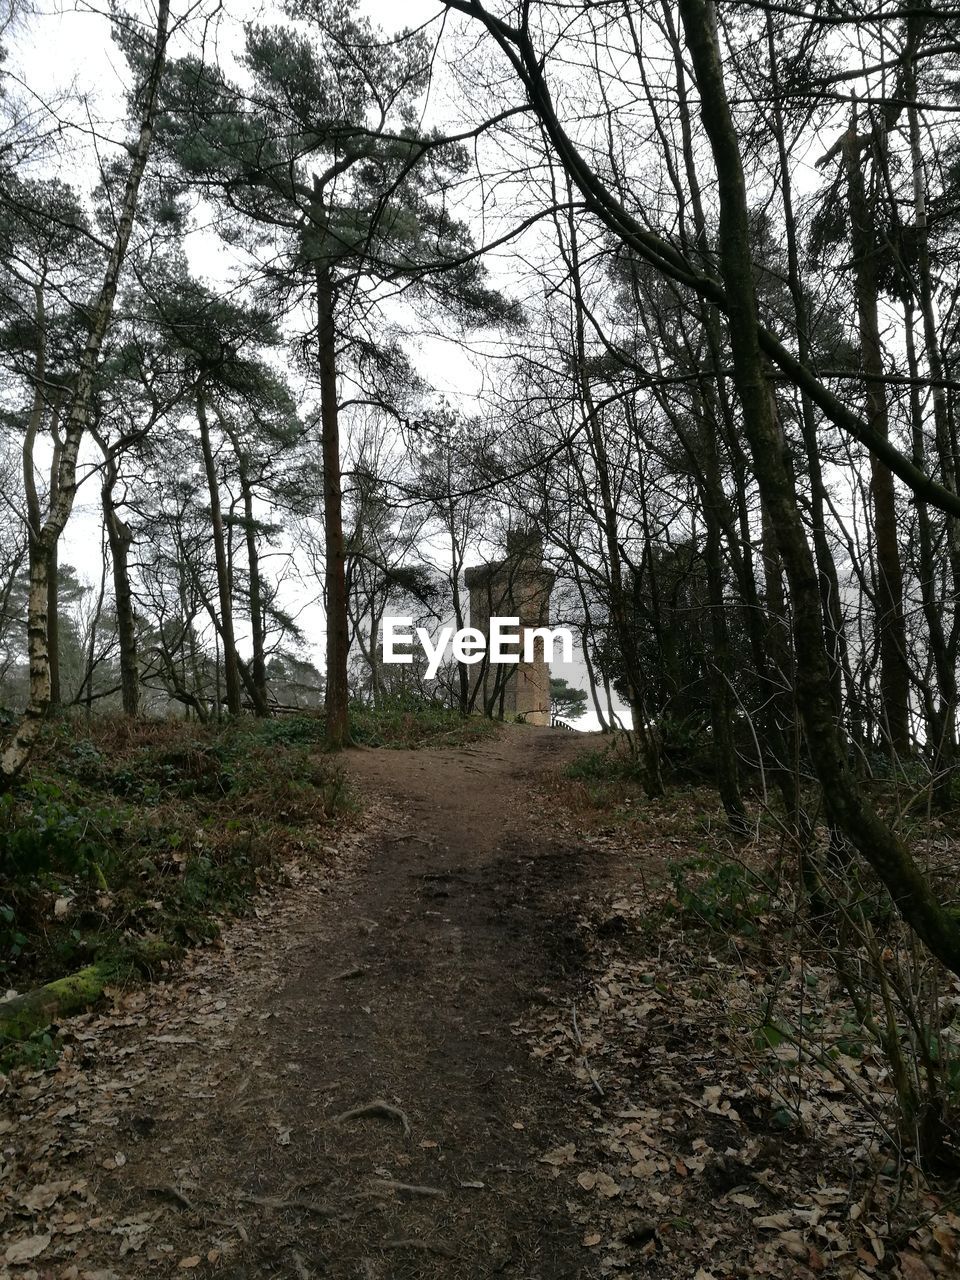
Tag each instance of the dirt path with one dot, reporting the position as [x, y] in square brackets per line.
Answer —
[205, 1131]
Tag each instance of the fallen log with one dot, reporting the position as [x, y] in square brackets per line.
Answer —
[22, 1015]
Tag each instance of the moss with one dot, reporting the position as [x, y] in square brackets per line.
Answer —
[23, 1015]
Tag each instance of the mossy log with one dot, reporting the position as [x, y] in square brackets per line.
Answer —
[22, 1015]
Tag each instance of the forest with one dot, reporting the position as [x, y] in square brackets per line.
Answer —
[312, 314]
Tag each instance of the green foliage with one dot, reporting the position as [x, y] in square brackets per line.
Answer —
[157, 830]
[565, 700]
[38, 1053]
[306, 107]
[725, 896]
[12, 940]
[688, 748]
[40, 828]
[613, 763]
[407, 721]
[294, 730]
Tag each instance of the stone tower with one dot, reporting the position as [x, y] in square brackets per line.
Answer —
[515, 587]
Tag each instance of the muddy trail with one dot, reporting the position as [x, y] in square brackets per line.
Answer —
[340, 1091]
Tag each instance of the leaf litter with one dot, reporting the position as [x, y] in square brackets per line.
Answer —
[151, 1046]
[705, 1149]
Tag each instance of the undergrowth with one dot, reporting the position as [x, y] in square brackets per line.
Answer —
[402, 722]
[868, 992]
[155, 829]
[834, 986]
[159, 828]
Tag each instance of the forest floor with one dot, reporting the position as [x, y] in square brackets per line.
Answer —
[469, 1045]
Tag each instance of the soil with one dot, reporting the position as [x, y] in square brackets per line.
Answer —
[393, 978]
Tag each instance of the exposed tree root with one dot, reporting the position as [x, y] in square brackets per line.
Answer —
[408, 1188]
[276, 1202]
[171, 1193]
[377, 1109]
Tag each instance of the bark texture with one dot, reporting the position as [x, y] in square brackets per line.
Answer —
[338, 635]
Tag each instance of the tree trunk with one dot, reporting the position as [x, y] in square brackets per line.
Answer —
[620, 615]
[22, 1015]
[456, 566]
[86, 688]
[231, 672]
[337, 688]
[120, 539]
[844, 800]
[258, 670]
[829, 580]
[941, 731]
[255, 677]
[946, 741]
[585, 632]
[721, 704]
[891, 625]
[53, 586]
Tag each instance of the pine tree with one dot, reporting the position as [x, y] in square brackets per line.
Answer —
[319, 162]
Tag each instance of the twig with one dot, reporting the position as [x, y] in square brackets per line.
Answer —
[356, 972]
[583, 1057]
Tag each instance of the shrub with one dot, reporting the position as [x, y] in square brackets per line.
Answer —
[406, 721]
[721, 895]
[41, 829]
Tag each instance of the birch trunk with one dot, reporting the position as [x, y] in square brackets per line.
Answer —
[18, 748]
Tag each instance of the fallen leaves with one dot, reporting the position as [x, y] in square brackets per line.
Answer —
[44, 1195]
[560, 1156]
[27, 1248]
[773, 1222]
[749, 1154]
[600, 1182]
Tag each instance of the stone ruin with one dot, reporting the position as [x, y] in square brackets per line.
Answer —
[516, 587]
